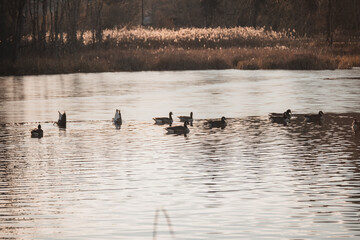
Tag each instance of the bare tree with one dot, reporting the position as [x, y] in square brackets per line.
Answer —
[72, 10]
[16, 13]
[95, 8]
[256, 4]
[43, 25]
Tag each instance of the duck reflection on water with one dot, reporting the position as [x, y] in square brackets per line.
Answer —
[355, 126]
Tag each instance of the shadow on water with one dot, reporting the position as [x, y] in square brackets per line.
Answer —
[166, 215]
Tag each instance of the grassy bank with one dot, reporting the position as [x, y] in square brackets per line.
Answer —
[179, 59]
[189, 49]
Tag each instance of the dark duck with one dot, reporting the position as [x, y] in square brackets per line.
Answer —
[62, 120]
[37, 132]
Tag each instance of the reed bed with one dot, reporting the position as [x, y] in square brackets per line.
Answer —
[190, 38]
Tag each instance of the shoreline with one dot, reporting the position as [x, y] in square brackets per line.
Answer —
[171, 59]
[138, 49]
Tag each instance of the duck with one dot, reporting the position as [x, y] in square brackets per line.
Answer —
[314, 117]
[186, 118]
[216, 123]
[164, 120]
[62, 120]
[283, 119]
[355, 125]
[37, 132]
[178, 129]
[288, 114]
[117, 118]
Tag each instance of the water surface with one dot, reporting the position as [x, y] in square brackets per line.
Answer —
[252, 180]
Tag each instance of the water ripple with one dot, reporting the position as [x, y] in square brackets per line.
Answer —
[251, 180]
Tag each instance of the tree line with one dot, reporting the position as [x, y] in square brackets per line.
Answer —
[55, 26]
[49, 25]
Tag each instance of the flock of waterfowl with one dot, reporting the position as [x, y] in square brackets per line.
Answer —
[280, 118]
[284, 118]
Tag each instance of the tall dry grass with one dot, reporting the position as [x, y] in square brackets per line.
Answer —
[190, 38]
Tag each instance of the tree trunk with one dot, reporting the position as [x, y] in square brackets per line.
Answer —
[255, 12]
[31, 7]
[19, 27]
[51, 37]
[98, 22]
[356, 16]
[60, 24]
[37, 20]
[73, 10]
[329, 23]
[4, 34]
[43, 25]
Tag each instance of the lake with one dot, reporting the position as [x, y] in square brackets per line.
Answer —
[251, 180]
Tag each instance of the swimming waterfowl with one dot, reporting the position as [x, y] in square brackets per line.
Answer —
[117, 118]
[179, 129]
[284, 119]
[186, 118]
[288, 114]
[37, 132]
[314, 117]
[355, 125]
[62, 120]
[216, 123]
[164, 120]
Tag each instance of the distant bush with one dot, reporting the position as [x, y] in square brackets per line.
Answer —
[348, 61]
[295, 61]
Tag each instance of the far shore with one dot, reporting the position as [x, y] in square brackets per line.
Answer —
[114, 60]
[186, 49]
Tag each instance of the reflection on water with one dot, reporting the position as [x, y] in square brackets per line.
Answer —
[251, 180]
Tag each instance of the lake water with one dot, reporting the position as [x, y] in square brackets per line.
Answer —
[251, 180]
